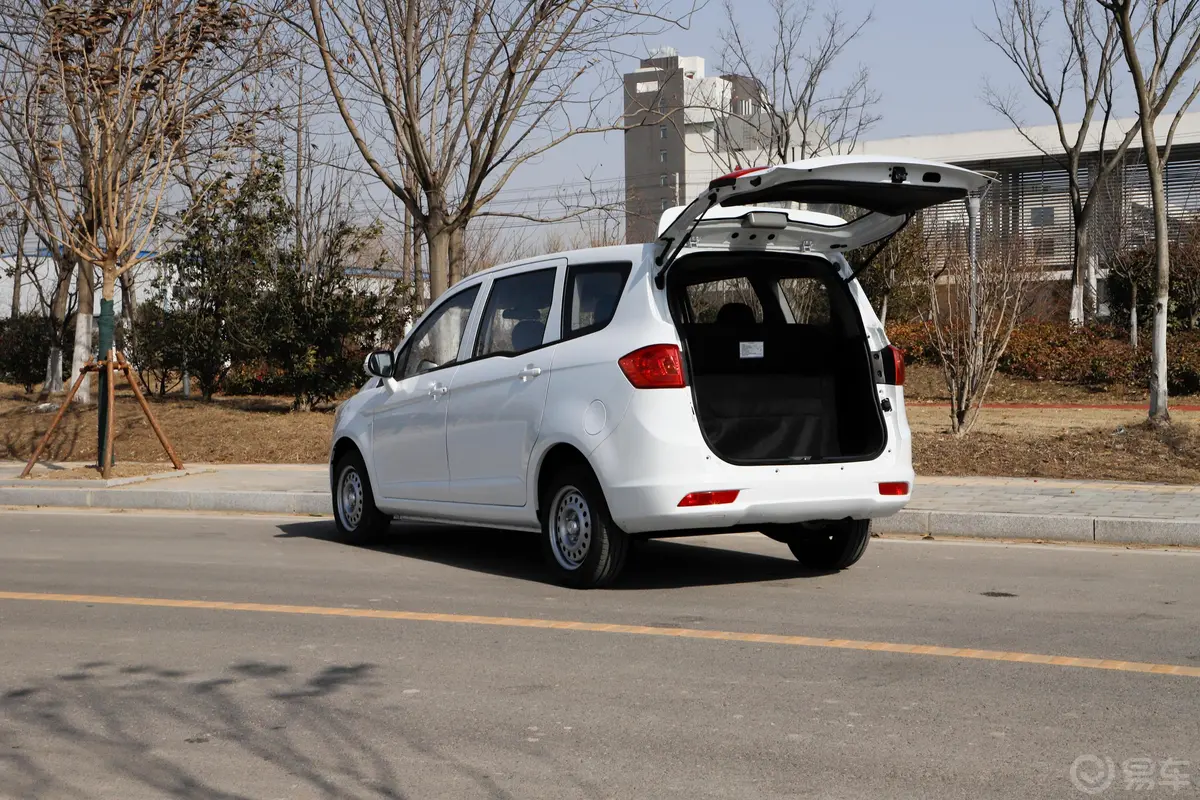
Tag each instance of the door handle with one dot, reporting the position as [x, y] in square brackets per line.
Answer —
[438, 390]
[529, 372]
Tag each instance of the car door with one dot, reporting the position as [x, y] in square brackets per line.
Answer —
[497, 399]
[408, 428]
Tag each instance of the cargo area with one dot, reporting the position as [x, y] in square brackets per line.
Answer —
[777, 358]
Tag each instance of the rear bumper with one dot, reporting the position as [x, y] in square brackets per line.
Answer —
[647, 468]
[652, 508]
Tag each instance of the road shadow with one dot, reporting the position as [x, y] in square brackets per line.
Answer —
[653, 564]
[103, 730]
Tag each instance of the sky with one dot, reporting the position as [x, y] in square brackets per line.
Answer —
[926, 58]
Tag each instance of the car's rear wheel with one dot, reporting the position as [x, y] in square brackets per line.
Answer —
[828, 547]
[583, 547]
[354, 512]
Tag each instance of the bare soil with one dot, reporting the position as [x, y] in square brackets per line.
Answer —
[1047, 442]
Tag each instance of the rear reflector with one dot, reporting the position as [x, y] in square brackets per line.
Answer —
[655, 367]
[721, 498]
[897, 489]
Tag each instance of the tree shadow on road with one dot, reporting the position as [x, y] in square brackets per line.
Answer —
[104, 730]
[654, 564]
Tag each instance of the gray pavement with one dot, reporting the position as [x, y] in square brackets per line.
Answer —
[114, 694]
[1020, 508]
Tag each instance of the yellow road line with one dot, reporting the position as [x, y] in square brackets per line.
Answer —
[636, 630]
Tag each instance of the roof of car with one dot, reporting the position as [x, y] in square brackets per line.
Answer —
[619, 252]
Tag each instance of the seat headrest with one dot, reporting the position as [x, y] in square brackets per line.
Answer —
[736, 314]
[527, 334]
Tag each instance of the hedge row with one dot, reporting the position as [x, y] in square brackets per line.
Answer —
[1092, 356]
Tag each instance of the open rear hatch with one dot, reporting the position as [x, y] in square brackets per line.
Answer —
[777, 353]
[887, 190]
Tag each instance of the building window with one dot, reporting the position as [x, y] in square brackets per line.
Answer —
[662, 103]
[662, 156]
[664, 180]
[648, 86]
[662, 131]
[1041, 216]
[665, 205]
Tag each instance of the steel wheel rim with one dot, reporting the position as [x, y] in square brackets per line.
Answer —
[350, 498]
[571, 527]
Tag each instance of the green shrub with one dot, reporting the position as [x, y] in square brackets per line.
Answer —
[24, 343]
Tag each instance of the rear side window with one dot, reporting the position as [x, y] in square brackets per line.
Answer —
[515, 317]
[729, 300]
[808, 298]
[593, 292]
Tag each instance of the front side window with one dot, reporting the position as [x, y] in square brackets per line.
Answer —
[435, 344]
[515, 317]
[593, 292]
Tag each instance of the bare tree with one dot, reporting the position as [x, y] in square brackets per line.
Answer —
[446, 99]
[116, 89]
[970, 350]
[1161, 41]
[1066, 58]
[781, 102]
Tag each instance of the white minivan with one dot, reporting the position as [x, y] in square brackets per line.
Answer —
[730, 376]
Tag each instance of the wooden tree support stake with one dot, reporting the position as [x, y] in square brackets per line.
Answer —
[111, 368]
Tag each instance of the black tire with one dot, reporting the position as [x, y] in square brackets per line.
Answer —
[358, 520]
[835, 546]
[582, 546]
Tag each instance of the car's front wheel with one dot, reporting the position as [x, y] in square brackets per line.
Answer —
[828, 547]
[354, 512]
[583, 547]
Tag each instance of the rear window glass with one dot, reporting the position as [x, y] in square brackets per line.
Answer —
[808, 299]
[593, 292]
[515, 318]
[730, 300]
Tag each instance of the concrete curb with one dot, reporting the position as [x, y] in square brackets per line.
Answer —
[948, 524]
[1050, 528]
[169, 500]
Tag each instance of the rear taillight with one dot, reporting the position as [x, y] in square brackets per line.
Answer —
[655, 367]
[893, 365]
[893, 489]
[721, 498]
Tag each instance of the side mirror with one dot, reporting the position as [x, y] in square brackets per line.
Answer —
[380, 364]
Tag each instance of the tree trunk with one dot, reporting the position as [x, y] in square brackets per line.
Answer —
[439, 261]
[1133, 317]
[19, 266]
[457, 255]
[1162, 278]
[85, 284]
[1079, 274]
[107, 324]
[65, 269]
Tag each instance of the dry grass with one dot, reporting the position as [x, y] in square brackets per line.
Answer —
[1049, 442]
[228, 430]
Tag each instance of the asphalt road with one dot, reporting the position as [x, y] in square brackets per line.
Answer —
[442, 666]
